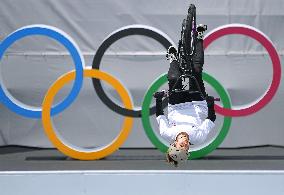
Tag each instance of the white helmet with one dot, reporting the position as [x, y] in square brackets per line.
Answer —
[178, 155]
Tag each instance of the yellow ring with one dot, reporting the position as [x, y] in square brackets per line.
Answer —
[78, 153]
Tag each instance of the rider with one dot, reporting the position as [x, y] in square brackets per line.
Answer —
[191, 116]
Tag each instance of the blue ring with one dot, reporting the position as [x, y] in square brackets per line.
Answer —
[68, 44]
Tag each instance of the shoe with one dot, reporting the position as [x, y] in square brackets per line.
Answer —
[171, 53]
[201, 28]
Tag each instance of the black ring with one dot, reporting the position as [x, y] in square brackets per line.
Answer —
[124, 32]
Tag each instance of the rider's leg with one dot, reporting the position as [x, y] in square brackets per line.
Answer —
[175, 83]
[198, 61]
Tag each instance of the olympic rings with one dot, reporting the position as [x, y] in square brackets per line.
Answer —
[120, 33]
[64, 39]
[268, 45]
[194, 154]
[69, 43]
[73, 151]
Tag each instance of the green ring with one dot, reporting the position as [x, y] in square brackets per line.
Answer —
[225, 98]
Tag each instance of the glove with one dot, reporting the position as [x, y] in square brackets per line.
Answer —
[211, 110]
[211, 115]
[159, 102]
[159, 107]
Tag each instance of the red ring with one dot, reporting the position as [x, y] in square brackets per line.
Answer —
[267, 44]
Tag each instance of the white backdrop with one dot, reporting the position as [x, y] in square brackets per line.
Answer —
[31, 65]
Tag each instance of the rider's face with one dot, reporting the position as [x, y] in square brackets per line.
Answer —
[182, 141]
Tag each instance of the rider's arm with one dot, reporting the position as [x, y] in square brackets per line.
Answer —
[163, 122]
[200, 134]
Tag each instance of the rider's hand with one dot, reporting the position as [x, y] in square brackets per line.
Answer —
[211, 110]
[211, 115]
[210, 101]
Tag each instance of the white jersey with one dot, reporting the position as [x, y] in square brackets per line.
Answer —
[189, 117]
